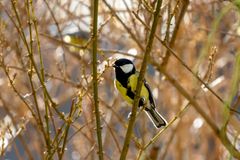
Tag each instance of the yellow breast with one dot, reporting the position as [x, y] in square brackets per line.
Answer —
[133, 84]
[123, 92]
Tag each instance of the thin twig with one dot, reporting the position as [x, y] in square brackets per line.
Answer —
[221, 133]
[176, 29]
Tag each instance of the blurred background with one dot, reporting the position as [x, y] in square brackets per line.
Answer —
[45, 52]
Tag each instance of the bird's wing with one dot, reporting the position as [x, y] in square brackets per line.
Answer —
[151, 100]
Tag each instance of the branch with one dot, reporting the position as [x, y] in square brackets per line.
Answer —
[220, 133]
[176, 29]
[95, 84]
[140, 81]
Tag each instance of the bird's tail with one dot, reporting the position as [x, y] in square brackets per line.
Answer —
[155, 117]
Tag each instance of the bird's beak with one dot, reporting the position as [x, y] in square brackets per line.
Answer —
[115, 66]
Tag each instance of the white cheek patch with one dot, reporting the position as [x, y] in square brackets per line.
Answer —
[127, 68]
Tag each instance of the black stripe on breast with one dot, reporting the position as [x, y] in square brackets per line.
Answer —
[130, 93]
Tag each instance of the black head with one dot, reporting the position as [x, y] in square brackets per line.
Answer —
[123, 69]
[124, 65]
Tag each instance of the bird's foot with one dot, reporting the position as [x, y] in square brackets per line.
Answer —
[142, 102]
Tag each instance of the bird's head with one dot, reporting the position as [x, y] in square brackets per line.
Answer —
[124, 66]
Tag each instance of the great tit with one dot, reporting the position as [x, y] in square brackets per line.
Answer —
[126, 83]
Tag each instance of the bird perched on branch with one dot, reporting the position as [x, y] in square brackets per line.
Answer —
[126, 83]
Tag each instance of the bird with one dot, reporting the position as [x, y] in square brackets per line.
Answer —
[126, 77]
